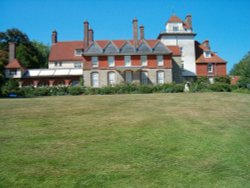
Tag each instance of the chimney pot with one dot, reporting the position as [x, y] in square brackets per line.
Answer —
[91, 35]
[12, 51]
[54, 37]
[142, 32]
[135, 32]
[188, 21]
[86, 34]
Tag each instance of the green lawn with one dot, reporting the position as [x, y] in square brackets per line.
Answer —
[151, 140]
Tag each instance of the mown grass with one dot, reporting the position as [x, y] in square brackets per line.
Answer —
[153, 140]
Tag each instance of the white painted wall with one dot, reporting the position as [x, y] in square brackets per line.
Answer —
[65, 64]
[18, 74]
[188, 48]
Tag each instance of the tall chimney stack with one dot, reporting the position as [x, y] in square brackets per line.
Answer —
[142, 32]
[206, 43]
[135, 32]
[54, 37]
[91, 35]
[188, 20]
[86, 34]
[12, 51]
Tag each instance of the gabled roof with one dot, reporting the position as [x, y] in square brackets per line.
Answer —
[110, 48]
[174, 19]
[127, 47]
[94, 48]
[14, 64]
[144, 47]
[65, 51]
[161, 48]
[200, 58]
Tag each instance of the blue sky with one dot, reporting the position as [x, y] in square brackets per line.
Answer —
[224, 22]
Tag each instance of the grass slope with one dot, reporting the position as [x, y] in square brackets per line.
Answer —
[153, 140]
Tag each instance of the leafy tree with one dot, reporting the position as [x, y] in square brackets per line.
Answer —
[243, 67]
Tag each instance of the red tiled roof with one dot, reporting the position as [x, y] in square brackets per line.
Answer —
[175, 50]
[213, 59]
[14, 64]
[174, 19]
[200, 58]
[65, 51]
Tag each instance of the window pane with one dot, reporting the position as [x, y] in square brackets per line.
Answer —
[111, 78]
[160, 60]
[144, 61]
[127, 61]
[111, 61]
[160, 77]
[95, 79]
[94, 61]
[128, 76]
[144, 77]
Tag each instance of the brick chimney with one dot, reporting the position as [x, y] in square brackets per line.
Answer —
[188, 20]
[142, 32]
[206, 43]
[54, 37]
[12, 51]
[86, 34]
[91, 35]
[135, 32]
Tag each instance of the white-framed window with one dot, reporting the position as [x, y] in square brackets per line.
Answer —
[144, 60]
[207, 54]
[127, 60]
[160, 61]
[128, 77]
[144, 77]
[175, 28]
[78, 52]
[160, 77]
[13, 72]
[210, 67]
[57, 63]
[95, 79]
[111, 78]
[94, 61]
[111, 61]
[78, 65]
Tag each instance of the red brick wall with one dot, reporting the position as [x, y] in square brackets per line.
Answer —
[135, 61]
[219, 69]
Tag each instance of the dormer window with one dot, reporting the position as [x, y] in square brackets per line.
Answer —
[175, 28]
[207, 54]
[78, 52]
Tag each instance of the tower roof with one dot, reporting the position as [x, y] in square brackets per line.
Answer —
[14, 64]
[174, 19]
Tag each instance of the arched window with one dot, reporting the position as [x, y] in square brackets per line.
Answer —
[144, 77]
[111, 78]
[160, 77]
[95, 79]
[128, 77]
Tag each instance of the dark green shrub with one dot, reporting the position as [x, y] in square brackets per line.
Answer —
[27, 91]
[244, 82]
[145, 89]
[219, 87]
[222, 79]
[41, 91]
[75, 90]
[178, 88]
[10, 87]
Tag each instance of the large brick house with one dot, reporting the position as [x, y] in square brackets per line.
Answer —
[173, 57]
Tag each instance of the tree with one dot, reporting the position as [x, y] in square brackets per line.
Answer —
[242, 69]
